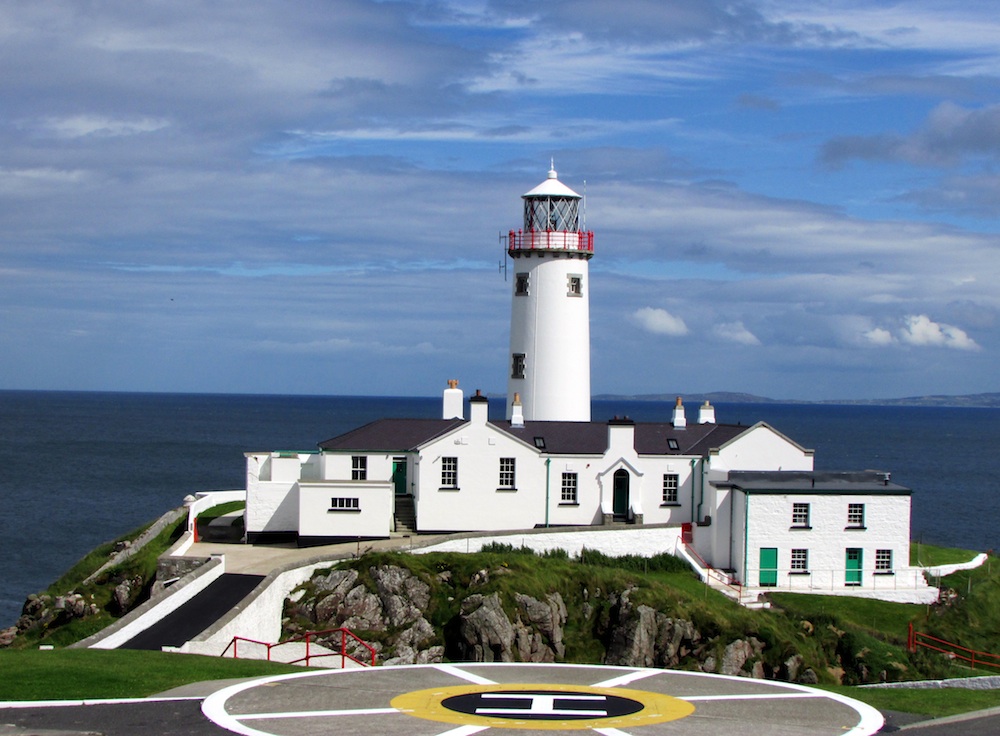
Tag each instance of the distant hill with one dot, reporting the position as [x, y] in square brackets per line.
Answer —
[987, 400]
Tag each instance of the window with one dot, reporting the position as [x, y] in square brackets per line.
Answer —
[800, 515]
[856, 515]
[574, 285]
[344, 504]
[507, 472]
[569, 482]
[521, 284]
[670, 487]
[673, 444]
[359, 467]
[517, 366]
[449, 472]
[540, 443]
[883, 560]
[800, 560]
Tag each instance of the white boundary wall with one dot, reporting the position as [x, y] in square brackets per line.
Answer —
[157, 609]
[640, 541]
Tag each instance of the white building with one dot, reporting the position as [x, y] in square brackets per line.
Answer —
[749, 502]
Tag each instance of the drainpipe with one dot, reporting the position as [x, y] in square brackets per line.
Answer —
[746, 535]
[693, 461]
[732, 493]
[548, 461]
[701, 488]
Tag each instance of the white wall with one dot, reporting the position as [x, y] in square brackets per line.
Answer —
[373, 517]
[478, 503]
[761, 448]
[887, 525]
[552, 330]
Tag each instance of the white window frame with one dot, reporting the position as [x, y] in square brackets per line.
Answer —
[508, 471]
[341, 504]
[449, 472]
[801, 513]
[799, 562]
[671, 484]
[883, 560]
[570, 488]
[574, 284]
[855, 516]
[359, 467]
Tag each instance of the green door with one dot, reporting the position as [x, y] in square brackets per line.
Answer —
[620, 502]
[399, 476]
[852, 565]
[768, 566]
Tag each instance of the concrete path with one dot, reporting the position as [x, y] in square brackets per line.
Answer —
[261, 559]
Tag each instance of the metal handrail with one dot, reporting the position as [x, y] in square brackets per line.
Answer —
[916, 639]
[518, 240]
[308, 638]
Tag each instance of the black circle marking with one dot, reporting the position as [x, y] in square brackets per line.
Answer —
[542, 705]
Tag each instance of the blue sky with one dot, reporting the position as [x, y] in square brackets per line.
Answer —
[798, 200]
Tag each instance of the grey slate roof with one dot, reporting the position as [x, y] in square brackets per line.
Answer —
[561, 438]
[866, 482]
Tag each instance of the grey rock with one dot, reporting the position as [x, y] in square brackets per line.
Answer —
[7, 636]
[808, 677]
[361, 611]
[735, 656]
[487, 635]
[403, 595]
[792, 666]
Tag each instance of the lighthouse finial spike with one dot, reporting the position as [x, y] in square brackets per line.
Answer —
[552, 168]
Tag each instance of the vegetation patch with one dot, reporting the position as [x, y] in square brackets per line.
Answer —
[69, 674]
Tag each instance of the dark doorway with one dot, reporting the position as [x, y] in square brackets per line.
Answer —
[620, 502]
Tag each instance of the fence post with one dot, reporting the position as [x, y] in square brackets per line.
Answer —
[910, 638]
[343, 648]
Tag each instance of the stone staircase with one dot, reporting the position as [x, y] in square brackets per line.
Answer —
[405, 515]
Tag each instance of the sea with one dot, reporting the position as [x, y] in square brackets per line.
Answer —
[79, 469]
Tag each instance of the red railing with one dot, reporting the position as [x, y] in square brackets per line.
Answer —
[518, 240]
[309, 637]
[710, 572]
[916, 639]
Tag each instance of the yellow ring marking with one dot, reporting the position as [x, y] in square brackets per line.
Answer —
[427, 704]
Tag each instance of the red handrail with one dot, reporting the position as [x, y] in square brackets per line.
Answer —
[308, 637]
[518, 240]
[736, 587]
[916, 639]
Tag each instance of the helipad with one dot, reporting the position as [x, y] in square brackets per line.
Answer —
[544, 699]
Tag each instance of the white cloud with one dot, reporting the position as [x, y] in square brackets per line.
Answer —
[921, 331]
[660, 322]
[879, 336]
[78, 126]
[735, 332]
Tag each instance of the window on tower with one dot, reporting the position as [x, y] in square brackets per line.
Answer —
[574, 285]
[521, 285]
[517, 366]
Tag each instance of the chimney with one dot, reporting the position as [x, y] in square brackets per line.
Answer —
[452, 407]
[706, 414]
[680, 421]
[479, 408]
[516, 413]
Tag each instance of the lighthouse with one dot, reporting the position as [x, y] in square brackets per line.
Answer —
[549, 365]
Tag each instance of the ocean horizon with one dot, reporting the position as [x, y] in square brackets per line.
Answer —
[83, 468]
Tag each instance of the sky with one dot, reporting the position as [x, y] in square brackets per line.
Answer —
[796, 200]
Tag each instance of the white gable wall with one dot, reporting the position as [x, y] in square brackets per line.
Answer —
[761, 448]
[478, 503]
[769, 524]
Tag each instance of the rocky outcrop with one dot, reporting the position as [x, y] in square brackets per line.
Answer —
[639, 636]
[393, 610]
[44, 611]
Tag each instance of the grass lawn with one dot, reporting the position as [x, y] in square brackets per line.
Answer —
[927, 555]
[936, 703]
[71, 674]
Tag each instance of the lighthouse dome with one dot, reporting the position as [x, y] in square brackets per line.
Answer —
[552, 187]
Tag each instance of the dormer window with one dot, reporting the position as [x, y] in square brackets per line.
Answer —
[673, 444]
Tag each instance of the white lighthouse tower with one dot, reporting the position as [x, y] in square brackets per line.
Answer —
[549, 365]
